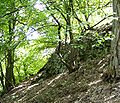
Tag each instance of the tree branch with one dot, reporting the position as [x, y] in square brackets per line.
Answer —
[12, 11]
[99, 22]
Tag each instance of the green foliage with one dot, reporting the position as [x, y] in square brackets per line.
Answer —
[92, 45]
[25, 21]
[29, 60]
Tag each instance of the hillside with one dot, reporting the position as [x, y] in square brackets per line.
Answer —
[82, 86]
[59, 51]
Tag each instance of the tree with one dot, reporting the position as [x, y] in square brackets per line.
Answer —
[115, 53]
[74, 18]
[12, 33]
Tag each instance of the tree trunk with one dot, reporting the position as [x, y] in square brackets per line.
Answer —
[10, 80]
[115, 52]
[69, 6]
[2, 76]
[9, 76]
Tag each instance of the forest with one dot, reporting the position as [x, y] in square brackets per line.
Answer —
[59, 51]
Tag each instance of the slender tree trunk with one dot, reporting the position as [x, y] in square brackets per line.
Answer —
[115, 58]
[69, 6]
[72, 55]
[2, 77]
